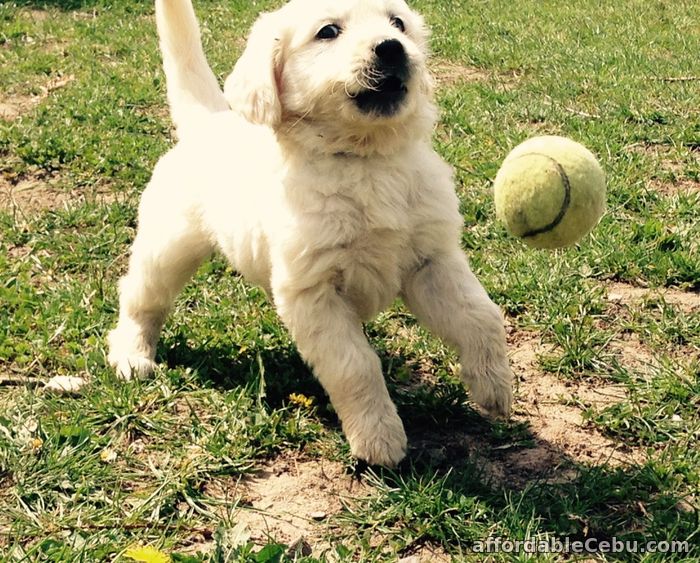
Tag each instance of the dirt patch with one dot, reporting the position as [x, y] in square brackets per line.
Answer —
[13, 107]
[427, 554]
[30, 193]
[633, 296]
[626, 302]
[635, 355]
[35, 193]
[38, 15]
[657, 151]
[555, 435]
[291, 499]
[681, 186]
[447, 73]
[553, 408]
[77, 15]
[672, 177]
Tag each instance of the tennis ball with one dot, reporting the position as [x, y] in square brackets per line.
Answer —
[550, 192]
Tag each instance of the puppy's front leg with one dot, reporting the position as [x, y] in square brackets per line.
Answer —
[329, 336]
[446, 296]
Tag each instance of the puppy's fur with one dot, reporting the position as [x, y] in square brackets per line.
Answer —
[320, 184]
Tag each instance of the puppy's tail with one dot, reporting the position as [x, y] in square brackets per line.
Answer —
[192, 87]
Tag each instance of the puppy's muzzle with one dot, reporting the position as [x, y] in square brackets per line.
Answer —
[388, 76]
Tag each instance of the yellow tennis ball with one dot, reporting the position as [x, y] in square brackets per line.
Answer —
[550, 192]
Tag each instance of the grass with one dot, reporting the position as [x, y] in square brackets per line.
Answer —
[160, 462]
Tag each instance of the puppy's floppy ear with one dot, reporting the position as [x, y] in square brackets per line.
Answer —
[253, 88]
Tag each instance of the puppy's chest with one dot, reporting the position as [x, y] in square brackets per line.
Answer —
[345, 204]
[355, 228]
[349, 217]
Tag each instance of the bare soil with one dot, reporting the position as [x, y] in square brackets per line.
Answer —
[447, 73]
[39, 192]
[13, 107]
[671, 165]
[633, 296]
[553, 409]
[294, 498]
[291, 500]
[680, 186]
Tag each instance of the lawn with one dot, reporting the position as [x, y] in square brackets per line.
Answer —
[232, 452]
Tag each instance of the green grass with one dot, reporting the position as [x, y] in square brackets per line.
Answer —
[84, 478]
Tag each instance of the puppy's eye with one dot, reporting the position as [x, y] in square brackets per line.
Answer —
[397, 22]
[330, 31]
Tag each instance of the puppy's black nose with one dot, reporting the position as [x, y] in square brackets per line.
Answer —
[391, 53]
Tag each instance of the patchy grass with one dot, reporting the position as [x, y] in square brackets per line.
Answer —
[212, 460]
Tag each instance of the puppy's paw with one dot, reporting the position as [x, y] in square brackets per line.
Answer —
[491, 387]
[378, 438]
[127, 358]
[132, 367]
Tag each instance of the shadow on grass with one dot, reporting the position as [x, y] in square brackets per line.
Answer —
[529, 486]
[221, 367]
[487, 478]
[633, 505]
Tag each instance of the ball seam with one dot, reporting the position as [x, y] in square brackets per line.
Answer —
[565, 204]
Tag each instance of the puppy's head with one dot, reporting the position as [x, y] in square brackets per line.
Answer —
[346, 74]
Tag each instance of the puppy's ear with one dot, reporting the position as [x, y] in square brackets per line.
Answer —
[253, 88]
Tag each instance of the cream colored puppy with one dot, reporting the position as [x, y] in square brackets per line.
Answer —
[319, 184]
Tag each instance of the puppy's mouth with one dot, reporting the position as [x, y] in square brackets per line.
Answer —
[383, 96]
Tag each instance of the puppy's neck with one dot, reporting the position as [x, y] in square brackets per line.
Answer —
[303, 135]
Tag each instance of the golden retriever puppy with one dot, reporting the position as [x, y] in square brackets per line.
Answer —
[313, 173]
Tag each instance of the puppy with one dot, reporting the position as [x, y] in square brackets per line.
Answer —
[313, 173]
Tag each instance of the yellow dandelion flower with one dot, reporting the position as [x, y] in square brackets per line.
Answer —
[36, 443]
[301, 400]
[147, 554]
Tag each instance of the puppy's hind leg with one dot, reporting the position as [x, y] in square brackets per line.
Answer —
[446, 296]
[166, 252]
